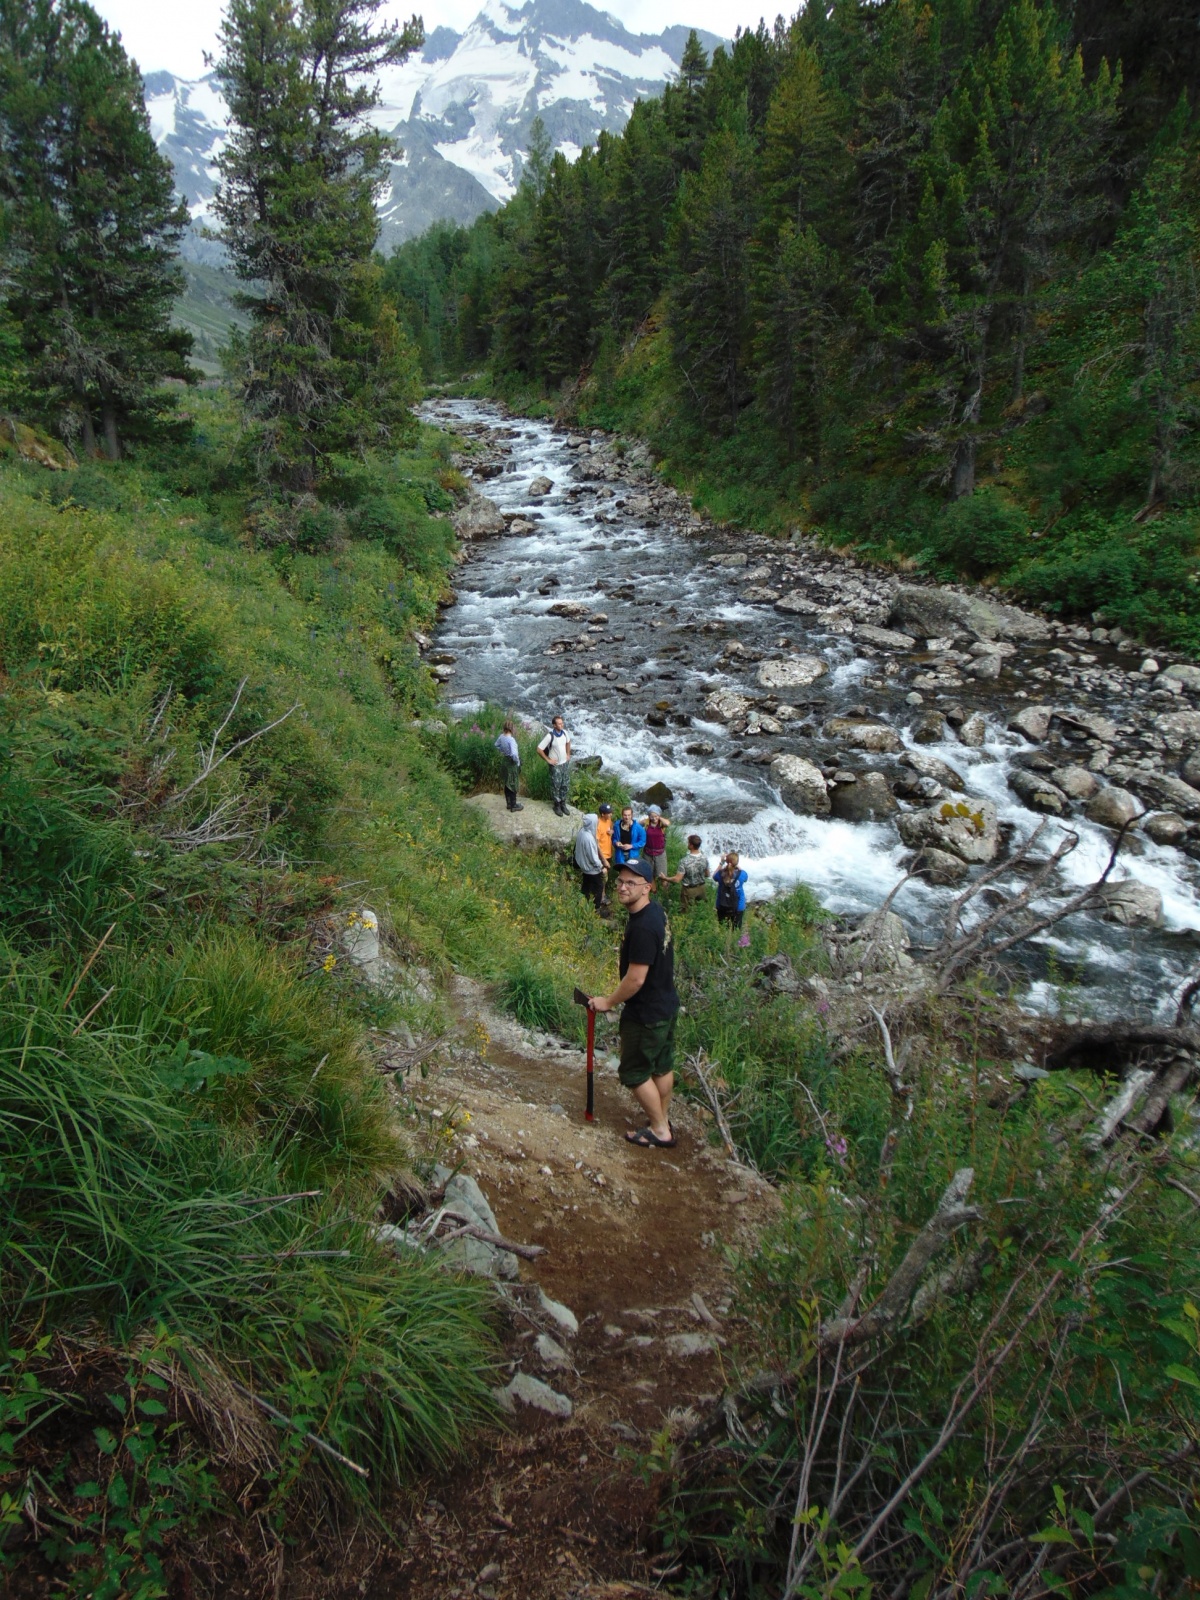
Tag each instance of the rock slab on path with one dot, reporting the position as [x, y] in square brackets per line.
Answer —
[534, 828]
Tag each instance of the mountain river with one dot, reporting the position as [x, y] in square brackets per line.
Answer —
[607, 598]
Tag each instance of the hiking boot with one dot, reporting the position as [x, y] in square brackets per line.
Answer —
[517, 807]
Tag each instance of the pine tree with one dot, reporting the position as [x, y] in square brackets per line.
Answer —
[320, 371]
[535, 169]
[93, 227]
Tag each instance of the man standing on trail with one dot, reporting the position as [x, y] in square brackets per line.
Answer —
[647, 992]
[555, 751]
[510, 761]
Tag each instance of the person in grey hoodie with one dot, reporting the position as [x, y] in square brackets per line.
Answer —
[589, 860]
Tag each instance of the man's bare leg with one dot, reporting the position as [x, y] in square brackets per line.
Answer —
[654, 1097]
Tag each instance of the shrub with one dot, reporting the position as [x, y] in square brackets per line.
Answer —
[980, 533]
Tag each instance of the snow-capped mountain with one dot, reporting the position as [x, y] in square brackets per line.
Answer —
[462, 108]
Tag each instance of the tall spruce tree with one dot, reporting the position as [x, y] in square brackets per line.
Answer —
[92, 228]
[324, 368]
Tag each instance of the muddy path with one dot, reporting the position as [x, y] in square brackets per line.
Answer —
[546, 1508]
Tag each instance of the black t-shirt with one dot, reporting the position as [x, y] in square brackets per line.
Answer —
[648, 943]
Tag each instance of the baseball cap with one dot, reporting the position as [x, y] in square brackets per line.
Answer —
[606, 810]
[644, 869]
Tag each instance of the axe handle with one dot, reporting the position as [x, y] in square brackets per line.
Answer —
[591, 1050]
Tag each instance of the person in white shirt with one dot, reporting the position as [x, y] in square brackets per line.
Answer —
[555, 751]
[510, 760]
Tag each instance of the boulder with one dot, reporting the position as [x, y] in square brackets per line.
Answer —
[973, 731]
[1165, 827]
[931, 767]
[796, 604]
[1162, 790]
[1037, 792]
[534, 828]
[540, 486]
[968, 829]
[986, 668]
[1077, 783]
[929, 728]
[479, 518]
[1130, 903]
[792, 672]
[884, 638]
[1179, 729]
[1113, 808]
[726, 705]
[464, 1195]
[880, 943]
[1032, 722]
[31, 444]
[658, 794]
[802, 785]
[864, 734]
[861, 797]
[939, 867]
[1190, 770]
[1183, 673]
[934, 612]
[776, 975]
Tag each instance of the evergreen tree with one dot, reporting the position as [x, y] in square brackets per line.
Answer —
[535, 169]
[92, 227]
[321, 370]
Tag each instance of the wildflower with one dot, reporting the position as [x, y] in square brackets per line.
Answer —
[744, 941]
[329, 962]
[837, 1148]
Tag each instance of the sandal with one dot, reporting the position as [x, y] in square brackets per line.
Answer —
[645, 1139]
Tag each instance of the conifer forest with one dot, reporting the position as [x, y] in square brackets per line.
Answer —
[822, 448]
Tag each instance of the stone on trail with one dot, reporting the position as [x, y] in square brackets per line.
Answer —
[1113, 808]
[535, 828]
[862, 734]
[1165, 827]
[968, 829]
[1131, 904]
[463, 1194]
[861, 797]
[802, 785]
[690, 1344]
[533, 1392]
[551, 1353]
[566, 1319]
[1037, 792]
[933, 767]
[792, 672]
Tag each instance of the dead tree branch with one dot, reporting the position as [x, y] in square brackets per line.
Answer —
[697, 1064]
[212, 761]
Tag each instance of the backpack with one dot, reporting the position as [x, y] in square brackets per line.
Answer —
[727, 893]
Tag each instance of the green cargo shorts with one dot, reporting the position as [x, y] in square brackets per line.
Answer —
[647, 1051]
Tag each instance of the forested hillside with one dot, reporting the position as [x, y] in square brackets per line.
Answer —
[921, 277]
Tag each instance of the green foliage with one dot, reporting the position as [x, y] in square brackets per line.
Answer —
[90, 236]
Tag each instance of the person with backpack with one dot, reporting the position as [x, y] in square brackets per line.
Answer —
[555, 751]
[589, 860]
[692, 875]
[629, 839]
[731, 890]
[510, 762]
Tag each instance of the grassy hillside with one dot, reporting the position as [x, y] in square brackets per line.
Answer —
[207, 310]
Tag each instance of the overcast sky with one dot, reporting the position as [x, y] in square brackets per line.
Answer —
[159, 34]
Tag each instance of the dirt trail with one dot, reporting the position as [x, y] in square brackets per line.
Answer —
[548, 1509]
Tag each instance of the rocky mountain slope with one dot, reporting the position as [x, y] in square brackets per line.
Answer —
[462, 109]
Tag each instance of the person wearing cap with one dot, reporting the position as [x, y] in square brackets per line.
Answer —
[604, 843]
[656, 826]
[555, 751]
[647, 994]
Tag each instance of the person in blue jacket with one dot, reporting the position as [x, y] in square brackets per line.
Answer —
[731, 890]
[629, 839]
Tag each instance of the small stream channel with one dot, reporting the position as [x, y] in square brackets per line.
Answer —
[650, 642]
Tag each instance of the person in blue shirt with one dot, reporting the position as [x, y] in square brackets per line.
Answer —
[629, 839]
[510, 760]
[731, 890]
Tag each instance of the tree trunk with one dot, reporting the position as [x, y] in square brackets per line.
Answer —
[1018, 387]
[89, 432]
[112, 439]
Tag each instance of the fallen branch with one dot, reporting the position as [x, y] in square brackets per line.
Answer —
[212, 761]
[696, 1063]
[472, 1230]
[287, 1422]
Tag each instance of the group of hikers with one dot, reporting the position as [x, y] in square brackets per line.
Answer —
[633, 851]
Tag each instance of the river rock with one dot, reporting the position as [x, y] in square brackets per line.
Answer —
[792, 672]
[934, 613]
[1179, 730]
[568, 608]
[1162, 790]
[884, 638]
[973, 730]
[861, 797]
[1113, 808]
[1037, 792]
[878, 944]
[658, 794]
[876, 737]
[929, 728]
[478, 518]
[797, 604]
[802, 785]
[1165, 827]
[726, 705]
[968, 829]
[1190, 770]
[539, 487]
[939, 867]
[1077, 783]
[985, 668]
[1032, 722]
[931, 767]
[1130, 903]
[534, 828]
[1090, 723]
[1183, 673]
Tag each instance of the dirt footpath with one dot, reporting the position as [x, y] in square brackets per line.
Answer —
[554, 1509]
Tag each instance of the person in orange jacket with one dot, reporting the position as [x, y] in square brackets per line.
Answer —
[604, 833]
